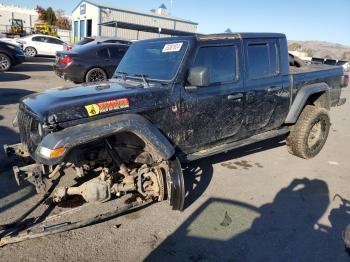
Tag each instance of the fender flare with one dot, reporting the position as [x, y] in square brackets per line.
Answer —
[301, 98]
[74, 136]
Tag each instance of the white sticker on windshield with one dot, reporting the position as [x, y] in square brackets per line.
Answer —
[172, 47]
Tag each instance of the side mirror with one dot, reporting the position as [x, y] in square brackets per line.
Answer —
[198, 77]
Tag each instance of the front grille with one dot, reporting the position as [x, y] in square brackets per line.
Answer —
[28, 128]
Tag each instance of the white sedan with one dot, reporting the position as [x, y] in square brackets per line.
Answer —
[41, 45]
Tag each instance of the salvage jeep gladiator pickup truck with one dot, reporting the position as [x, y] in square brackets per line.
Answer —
[173, 100]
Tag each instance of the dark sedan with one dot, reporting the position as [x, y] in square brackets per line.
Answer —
[10, 55]
[90, 63]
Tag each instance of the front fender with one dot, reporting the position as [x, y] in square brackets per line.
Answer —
[301, 98]
[77, 135]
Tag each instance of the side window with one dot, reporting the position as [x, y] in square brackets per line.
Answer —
[103, 53]
[262, 60]
[54, 41]
[39, 39]
[220, 61]
[117, 52]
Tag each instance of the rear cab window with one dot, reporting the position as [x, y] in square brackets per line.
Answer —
[221, 62]
[262, 59]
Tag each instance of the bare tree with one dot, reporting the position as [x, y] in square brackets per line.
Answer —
[62, 21]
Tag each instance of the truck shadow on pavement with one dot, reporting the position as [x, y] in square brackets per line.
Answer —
[32, 67]
[10, 193]
[40, 59]
[198, 174]
[285, 230]
[10, 76]
[11, 95]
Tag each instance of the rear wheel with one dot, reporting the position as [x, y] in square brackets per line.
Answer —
[308, 136]
[5, 63]
[96, 75]
[30, 51]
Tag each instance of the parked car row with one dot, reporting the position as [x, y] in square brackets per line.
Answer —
[92, 59]
[10, 55]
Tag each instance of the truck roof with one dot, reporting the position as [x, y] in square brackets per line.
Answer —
[223, 36]
[239, 36]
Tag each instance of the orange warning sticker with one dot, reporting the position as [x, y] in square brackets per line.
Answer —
[106, 106]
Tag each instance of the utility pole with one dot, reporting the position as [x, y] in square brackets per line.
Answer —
[171, 7]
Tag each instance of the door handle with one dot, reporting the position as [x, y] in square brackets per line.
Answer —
[234, 96]
[274, 89]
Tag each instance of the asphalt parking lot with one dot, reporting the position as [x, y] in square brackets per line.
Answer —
[257, 203]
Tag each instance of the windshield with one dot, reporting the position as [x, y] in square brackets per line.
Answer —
[154, 60]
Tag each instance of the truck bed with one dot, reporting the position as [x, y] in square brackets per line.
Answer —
[317, 73]
[311, 68]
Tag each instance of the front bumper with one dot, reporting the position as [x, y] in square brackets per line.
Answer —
[19, 59]
[32, 172]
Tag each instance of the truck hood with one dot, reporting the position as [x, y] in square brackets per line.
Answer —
[91, 101]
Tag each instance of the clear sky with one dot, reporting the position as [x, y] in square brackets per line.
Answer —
[326, 20]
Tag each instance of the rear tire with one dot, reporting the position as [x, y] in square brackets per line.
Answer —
[30, 51]
[96, 75]
[308, 136]
[5, 63]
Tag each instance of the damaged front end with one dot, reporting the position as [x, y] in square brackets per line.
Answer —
[114, 157]
[122, 150]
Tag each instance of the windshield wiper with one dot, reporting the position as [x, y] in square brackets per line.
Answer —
[143, 79]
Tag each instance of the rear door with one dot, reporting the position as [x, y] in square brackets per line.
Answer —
[215, 112]
[267, 90]
[54, 45]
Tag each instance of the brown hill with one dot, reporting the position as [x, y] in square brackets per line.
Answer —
[322, 49]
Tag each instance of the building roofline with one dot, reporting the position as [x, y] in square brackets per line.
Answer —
[144, 28]
[132, 11]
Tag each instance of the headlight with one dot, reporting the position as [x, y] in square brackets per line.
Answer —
[36, 132]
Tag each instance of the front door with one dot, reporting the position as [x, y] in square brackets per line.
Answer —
[215, 112]
[39, 44]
